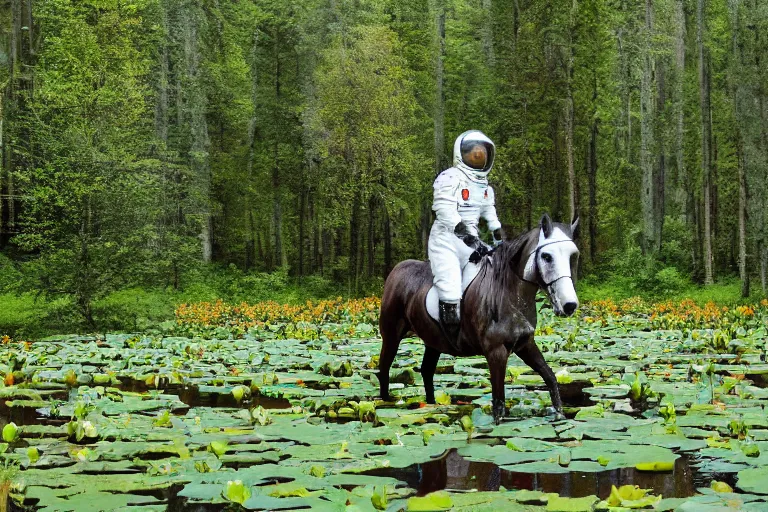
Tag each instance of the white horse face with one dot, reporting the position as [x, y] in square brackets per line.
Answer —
[557, 262]
[553, 263]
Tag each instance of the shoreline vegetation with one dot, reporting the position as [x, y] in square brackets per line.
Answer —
[274, 405]
[276, 298]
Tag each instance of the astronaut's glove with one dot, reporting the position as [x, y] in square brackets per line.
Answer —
[468, 238]
[478, 254]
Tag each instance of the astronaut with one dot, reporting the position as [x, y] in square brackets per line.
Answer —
[461, 197]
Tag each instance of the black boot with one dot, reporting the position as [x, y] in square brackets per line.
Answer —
[449, 321]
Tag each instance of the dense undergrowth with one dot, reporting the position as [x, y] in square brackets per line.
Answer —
[26, 313]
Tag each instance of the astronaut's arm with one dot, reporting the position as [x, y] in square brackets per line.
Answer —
[488, 212]
[445, 203]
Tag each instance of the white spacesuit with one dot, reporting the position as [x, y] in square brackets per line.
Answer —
[461, 197]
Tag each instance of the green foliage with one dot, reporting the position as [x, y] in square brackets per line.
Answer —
[136, 309]
[236, 492]
[92, 199]
[295, 143]
[10, 432]
[169, 413]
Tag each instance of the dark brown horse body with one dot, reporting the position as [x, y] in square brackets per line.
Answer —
[498, 317]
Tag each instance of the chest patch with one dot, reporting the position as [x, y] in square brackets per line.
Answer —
[465, 194]
[486, 194]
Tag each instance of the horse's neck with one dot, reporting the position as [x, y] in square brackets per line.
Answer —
[526, 290]
[527, 294]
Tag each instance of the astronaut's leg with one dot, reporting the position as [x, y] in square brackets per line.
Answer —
[446, 270]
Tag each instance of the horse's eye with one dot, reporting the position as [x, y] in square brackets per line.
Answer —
[546, 257]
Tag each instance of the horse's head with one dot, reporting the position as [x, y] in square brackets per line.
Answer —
[552, 264]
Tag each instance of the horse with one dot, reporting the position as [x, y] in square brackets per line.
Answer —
[498, 310]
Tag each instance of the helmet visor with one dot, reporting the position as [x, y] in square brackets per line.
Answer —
[477, 152]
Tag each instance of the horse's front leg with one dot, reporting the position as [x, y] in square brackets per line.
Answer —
[531, 355]
[428, 366]
[497, 364]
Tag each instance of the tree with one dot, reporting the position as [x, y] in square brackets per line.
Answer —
[90, 194]
[647, 143]
[365, 106]
[305, 136]
[706, 138]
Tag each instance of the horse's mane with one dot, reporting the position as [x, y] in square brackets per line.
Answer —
[506, 257]
[498, 272]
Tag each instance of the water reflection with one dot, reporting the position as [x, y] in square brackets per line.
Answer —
[455, 472]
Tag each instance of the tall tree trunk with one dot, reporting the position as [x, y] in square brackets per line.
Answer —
[740, 116]
[706, 140]
[529, 193]
[281, 258]
[326, 258]
[9, 106]
[761, 91]
[659, 201]
[30, 24]
[438, 121]
[569, 130]
[679, 102]
[714, 191]
[762, 251]
[572, 186]
[593, 174]
[626, 88]
[556, 162]
[371, 242]
[3, 169]
[161, 107]
[742, 223]
[697, 250]
[387, 243]
[354, 241]
[15, 43]
[198, 128]
[317, 260]
[250, 232]
[302, 223]
[646, 135]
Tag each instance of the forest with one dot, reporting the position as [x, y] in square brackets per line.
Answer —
[200, 203]
[142, 139]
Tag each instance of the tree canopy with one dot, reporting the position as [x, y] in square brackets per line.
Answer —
[141, 137]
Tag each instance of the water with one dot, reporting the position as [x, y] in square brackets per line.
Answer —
[188, 394]
[454, 472]
[759, 380]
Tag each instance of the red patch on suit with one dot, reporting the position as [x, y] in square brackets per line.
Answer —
[486, 194]
[465, 194]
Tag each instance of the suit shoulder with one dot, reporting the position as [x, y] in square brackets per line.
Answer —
[448, 177]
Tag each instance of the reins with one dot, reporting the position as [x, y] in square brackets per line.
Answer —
[535, 251]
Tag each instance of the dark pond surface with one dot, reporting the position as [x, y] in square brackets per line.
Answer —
[192, 396]
[189, 395]
[454, 472]
[759, 380]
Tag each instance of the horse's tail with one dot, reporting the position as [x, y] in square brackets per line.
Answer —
[393, 297]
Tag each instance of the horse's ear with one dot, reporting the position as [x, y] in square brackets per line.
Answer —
[575, 228]
[546, 225]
